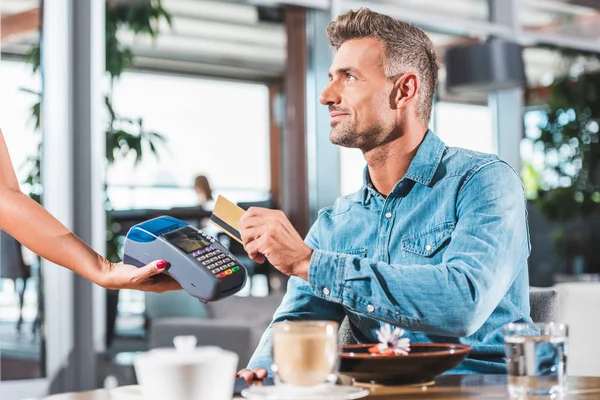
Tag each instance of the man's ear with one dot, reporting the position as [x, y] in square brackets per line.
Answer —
[405, 90]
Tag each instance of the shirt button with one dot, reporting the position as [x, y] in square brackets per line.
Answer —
[388, 215]
[326, 291]
[428, 247]
[370, 308]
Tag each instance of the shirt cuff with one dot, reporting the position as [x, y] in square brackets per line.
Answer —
[326, 275]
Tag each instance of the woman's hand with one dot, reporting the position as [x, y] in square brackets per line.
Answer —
[147, 279]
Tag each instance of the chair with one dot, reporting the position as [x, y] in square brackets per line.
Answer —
[13, 267]
[543, 302]
[175, 304]
[578, 308]
[235, 323]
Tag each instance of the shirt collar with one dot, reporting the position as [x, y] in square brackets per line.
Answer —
[368, 188]
[426, 161]
[422, 168]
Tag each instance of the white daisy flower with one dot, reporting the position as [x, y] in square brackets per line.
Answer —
[391, 339]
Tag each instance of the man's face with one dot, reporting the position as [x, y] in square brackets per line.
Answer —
[359, 96]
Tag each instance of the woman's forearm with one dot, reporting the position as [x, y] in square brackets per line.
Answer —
[38, 230]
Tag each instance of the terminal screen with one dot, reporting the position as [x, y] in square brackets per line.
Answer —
[187, 240]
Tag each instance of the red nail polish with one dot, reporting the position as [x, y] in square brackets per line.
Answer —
[162, 264]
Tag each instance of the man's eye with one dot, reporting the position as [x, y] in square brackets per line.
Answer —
[351, 78]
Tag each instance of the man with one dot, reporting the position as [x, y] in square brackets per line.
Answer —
[436, 241]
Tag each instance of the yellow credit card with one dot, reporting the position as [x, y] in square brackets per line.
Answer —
[226, 216]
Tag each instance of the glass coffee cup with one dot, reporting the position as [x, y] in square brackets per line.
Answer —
[305, 353]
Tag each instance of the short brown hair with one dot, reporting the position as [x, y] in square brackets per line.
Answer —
[406, 48]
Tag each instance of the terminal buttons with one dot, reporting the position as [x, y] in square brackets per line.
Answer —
[227, 272]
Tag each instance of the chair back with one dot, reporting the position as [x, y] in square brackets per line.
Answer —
[543, 304]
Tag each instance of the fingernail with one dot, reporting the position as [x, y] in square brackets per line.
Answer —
[161, 264]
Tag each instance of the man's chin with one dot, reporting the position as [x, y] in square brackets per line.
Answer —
[343, 141]
[342, 137]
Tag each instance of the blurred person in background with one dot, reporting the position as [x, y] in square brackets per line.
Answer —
[205, 197]
[33, 226]
[203, 190]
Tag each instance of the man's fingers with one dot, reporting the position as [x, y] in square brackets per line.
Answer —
[249, 376]
[254, 211]
[250, 219]
[253, 250]
[242, 373]
[252, 247]
[246, 374]
[256, 216]
[250, 234]
[260, 373]
[257, 257]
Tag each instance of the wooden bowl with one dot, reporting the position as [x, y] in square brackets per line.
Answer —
[424, 362]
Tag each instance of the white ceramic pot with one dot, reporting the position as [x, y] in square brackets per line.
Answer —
[186, 372]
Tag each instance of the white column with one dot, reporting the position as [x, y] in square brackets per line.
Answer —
[323, 158]
[507, 105]
[507, 118]
[73, 76]
[57, 173]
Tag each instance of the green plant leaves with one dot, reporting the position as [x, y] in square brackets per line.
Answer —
[569, 183]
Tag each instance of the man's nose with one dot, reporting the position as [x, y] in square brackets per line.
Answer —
[329, 95]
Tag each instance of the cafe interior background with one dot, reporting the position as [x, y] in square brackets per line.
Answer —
[140, 97]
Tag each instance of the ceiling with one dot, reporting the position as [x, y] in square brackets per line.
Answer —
[215, 38]
[235, 40]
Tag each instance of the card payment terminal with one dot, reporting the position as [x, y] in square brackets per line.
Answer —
[202, 266]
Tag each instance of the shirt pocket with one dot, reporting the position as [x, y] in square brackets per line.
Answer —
[428, 243]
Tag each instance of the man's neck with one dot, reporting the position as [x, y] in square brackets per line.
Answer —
[389, 163]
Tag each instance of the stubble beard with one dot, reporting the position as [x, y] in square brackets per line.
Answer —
[347, 136]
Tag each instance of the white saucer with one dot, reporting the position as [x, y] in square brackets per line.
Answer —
[132, 392]
[328, 392]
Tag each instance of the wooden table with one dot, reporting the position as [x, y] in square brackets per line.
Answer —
[449, 387]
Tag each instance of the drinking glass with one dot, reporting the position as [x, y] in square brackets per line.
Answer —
[536, 358]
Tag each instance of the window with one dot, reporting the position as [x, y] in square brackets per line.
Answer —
[15, 113]
[216, 128]
[352, 167]
[465, 125]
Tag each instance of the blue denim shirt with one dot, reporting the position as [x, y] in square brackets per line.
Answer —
[444, 256]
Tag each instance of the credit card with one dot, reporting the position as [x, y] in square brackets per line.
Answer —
[226, 216]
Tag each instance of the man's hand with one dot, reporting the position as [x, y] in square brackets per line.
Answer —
[268, 233]
[148, 278]
[254, 375]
